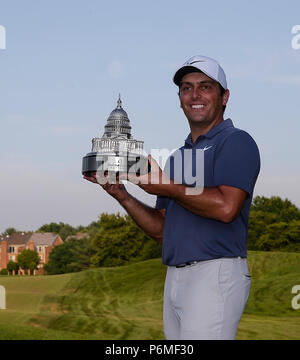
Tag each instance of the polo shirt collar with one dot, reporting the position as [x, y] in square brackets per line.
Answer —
[211, 133]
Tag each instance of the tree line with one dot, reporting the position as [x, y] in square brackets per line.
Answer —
[274, 225]
[115, 240]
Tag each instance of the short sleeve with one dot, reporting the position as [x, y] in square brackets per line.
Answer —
[162, 202]
[237, 162]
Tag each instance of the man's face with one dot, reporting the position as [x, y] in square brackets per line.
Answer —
[201, 99]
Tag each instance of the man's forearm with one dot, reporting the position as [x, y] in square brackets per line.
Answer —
[221, 203]
[210, 203]
[150, 220]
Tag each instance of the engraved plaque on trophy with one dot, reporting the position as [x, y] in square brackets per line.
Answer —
[116, 151]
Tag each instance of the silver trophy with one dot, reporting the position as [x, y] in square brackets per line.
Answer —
[116, 151]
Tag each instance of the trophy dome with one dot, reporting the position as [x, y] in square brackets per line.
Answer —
[118, 113]
[117, 134]
[118, 123]
[116, 151]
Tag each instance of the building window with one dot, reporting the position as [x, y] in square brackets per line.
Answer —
[11, 249]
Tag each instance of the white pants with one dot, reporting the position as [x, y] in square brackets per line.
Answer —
[205, 300]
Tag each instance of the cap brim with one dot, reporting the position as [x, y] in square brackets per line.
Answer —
[183, 71]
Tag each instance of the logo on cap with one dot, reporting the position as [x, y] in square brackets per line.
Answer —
[193, 62]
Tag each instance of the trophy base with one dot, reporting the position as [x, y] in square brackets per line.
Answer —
[115, 163]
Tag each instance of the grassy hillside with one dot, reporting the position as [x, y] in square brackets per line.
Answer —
[126, 302]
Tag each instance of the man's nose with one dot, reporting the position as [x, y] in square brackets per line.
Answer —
[196, 92]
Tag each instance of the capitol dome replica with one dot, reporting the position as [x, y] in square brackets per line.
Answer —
[116, 150]
[117, 133]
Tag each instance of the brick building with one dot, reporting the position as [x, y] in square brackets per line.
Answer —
[12, 245]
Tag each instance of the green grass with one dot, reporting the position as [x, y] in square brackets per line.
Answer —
[126, 302]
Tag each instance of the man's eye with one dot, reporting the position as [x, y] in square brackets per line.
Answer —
[205, 87]
[186, 88]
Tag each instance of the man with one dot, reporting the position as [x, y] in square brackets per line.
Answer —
[204, 234]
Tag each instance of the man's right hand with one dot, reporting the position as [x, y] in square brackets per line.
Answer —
[114, 188]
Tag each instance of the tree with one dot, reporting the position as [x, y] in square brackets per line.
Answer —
[282, 210]
[12, 266]
[9, 231]
[62, 229]
[72, 256]
[274, 224]
[120, 241]
[93, 228]
[28, 259]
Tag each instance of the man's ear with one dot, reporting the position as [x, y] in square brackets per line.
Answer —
[179, 98]
[226, 97]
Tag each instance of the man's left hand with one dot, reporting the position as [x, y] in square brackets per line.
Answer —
[155, 182]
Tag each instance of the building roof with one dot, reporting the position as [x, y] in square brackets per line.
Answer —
[43, 238]
[23, 239]
[16, 238]
[78, 236]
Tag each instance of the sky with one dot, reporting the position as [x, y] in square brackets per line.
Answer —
[66, 62]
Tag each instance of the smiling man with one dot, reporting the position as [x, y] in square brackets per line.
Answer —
[202, 101]
[204, 235]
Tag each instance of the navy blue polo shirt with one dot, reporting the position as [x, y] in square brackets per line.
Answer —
[231, 157]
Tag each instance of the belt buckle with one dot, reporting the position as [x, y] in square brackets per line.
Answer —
[181, 265]
[186, 264]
